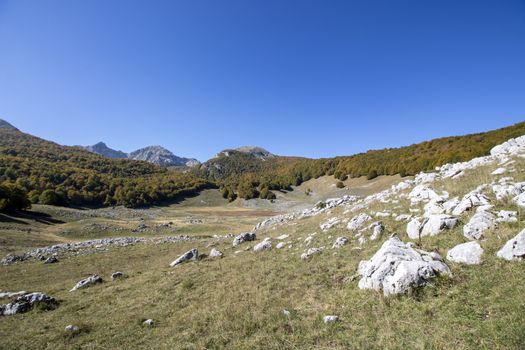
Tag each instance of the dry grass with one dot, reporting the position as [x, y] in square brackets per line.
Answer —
[237, 302]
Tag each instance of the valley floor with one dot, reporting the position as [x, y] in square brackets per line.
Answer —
[238, 302]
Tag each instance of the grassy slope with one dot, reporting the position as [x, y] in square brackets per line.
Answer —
[237, 302]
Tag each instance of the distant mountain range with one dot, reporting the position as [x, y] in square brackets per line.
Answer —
[152, 154]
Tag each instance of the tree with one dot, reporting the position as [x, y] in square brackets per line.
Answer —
[50, 197]
[371, 175]
[340, 184]
[13, 197]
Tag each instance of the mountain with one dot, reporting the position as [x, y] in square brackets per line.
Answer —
[248, 174]
[64, 175]
[102, 149]
[6, 125]
[161, 156]
[253, 151]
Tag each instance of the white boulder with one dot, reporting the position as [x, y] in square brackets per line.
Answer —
[481, 222]
[189, 255]
[358, 221]
[514, 249]
[466, 253]
[397, 267]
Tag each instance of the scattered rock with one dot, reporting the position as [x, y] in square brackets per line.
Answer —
[282, 237]
[514, 249]
[330, 319]
[479, 224]
[309, 253]
[507, 216]
[94, 279]
[25, 302]
[244, 237]
[215, 253]
[358, 221]
[51, 260]
[189, 255]
[377, 230]
[280, 245]
[430, 226]
[117, 275]
[339, 242]
[499, 171]
[262, 246]
[329, 223]
[397, 267]
[71, 328]
[466, 253]
[149, 322]
[287, 313]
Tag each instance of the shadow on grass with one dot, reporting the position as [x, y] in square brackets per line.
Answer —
[42, 218]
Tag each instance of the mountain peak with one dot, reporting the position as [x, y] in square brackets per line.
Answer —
[161, 156]
[254, 151]
[5, 125]
[102, 149]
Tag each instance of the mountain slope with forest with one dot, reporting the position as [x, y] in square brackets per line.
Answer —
[244, 175]
[62, 175]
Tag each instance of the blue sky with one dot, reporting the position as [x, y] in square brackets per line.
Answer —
[308, 78]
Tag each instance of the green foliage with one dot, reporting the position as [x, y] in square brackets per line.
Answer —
[372, 174]
[281, 173]
[61, 175]
[13, 197]
[340, 184]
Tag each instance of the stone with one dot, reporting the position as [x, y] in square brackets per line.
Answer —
[262, 246]
[377, 230]
[215, 253]
[330, 319]
[287, 313]
[309, 253]
[470, 200]
[423, 193]
[192, 254]
[339, 242]
[329, 223]
[403, 217]
[280, 245]
[438, 223]
[466, 253]
[397, 267]
[116, 275]
[499, 171]
[25, 302]
[71, 328]
[91, 280]
[244, 237]
[51, 260]
[507, 216]
[514, 249]
[431, 226]
[149, 322]
[480, 223]
[282, 237]
[358, 221]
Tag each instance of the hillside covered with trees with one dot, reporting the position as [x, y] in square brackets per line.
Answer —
[238, 174]
[60, 175]
[45, 172]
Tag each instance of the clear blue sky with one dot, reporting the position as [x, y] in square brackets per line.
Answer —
[310, 78]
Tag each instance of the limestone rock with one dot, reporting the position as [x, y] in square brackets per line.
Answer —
[94, 279]
[309, 253]
[480, 223]
[514, 249]
[466, 253]
[397, 267]
[189, 255]
[358, 221]
[215, 253]
[339, 242]
[262, 246]
[25, 302]
[244, 237]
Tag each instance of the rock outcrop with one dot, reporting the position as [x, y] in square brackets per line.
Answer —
[25, 302]
[397, 267]
[91, 280]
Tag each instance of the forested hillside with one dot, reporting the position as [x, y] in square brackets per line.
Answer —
[61, 175]
[239, 174]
